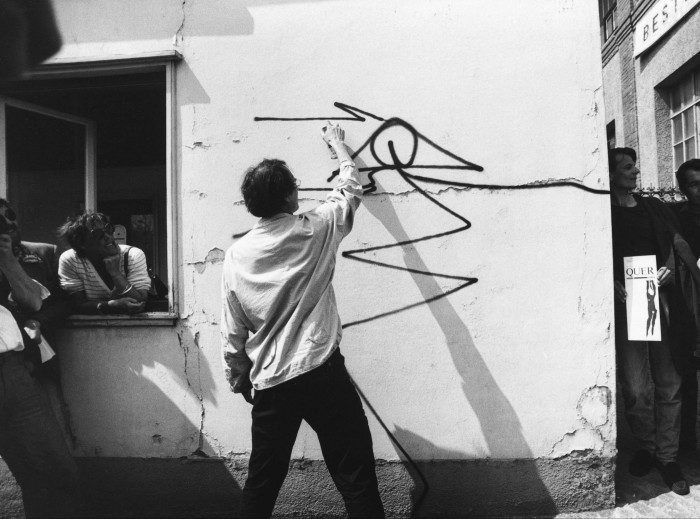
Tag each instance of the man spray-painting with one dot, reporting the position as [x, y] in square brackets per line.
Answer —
[282, 332]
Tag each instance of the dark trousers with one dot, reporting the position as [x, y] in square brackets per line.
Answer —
[689, 411]
[651, 387]
[32, 444]
[327, 400]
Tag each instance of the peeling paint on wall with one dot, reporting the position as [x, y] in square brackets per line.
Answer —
[593, 434]
[214, 257]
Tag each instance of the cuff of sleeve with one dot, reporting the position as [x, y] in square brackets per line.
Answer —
[45, 293]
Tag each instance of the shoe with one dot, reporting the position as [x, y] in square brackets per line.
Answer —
[641, 463]
[673, 477]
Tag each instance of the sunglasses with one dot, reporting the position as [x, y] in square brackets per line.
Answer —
[99, 234]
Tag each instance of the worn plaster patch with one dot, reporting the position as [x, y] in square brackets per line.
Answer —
[591, 434]
[214, 257]
[198, 145]
[594, 406]
[583, 441]
[199, 194]
[237, 137]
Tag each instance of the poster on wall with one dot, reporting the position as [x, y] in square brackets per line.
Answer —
[643, 316]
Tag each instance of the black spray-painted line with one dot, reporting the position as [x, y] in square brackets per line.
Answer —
[400, 167]
[396, 164]
[354, 112]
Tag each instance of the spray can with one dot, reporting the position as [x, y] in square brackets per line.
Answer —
[333, 154]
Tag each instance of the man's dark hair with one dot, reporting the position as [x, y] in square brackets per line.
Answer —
[266, 187]
[688, 165]
[76, 230]
[614, 152]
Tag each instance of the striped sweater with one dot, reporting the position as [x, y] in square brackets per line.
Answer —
[78, 274]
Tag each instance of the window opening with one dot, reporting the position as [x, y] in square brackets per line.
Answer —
[610, 134]
[608, 12]
[45, 158]
[685, 103]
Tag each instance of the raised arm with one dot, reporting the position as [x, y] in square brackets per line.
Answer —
[136, 283]
[344, 200]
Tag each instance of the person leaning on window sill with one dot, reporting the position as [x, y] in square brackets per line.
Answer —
[101, 276]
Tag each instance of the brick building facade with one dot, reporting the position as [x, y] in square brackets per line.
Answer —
[651, 81]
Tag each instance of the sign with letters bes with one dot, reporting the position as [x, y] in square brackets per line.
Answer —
[643, 312]
[656, 22]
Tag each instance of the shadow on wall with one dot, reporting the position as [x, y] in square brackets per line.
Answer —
[122, 487]
[499, 423]
[474, 488]
[158, 19]
[141, 416]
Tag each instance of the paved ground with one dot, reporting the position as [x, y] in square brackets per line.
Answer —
[648, 497]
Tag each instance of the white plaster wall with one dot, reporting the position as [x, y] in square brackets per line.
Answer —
[516, 365]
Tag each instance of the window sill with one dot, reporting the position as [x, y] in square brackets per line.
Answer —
[112, 321]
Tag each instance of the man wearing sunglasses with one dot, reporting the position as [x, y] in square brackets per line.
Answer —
[101, 276]
[31, 441]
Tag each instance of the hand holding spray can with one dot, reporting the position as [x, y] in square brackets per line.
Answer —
[330, 132]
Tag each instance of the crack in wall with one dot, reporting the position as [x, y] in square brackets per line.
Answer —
[199, 451]
[197, 144]
[179, 38]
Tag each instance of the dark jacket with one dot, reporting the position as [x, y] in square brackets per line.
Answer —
[39, 261]
[690, 225]
[679, 299]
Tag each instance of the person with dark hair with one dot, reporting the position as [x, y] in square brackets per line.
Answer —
[688, 178]
[101, 276]
[281, 335]
[650, 372]
[266, 187]
[31, 440]
[688, 213]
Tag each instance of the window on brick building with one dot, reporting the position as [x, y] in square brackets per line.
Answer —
[685, 108]
[610, 134]
[607, 10]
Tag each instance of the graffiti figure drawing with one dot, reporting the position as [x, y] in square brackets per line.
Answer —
[651, 305]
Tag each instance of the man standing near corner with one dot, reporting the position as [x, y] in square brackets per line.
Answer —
[31, 440]
[688, 213]
[649, 373]
[282, 332]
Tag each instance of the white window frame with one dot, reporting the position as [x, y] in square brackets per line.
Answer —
[605, 15]
[152, 62]
[90, 141]
[694, 105]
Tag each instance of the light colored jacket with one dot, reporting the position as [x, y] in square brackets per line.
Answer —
[279, 317]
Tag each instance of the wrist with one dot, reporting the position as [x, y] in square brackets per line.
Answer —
[129, 287]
